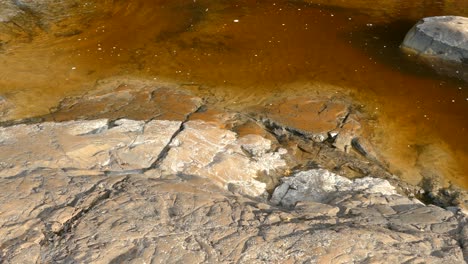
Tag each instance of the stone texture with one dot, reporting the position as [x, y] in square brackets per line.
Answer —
[35, 204]
[131, 99]
[319, 185]
[313, 118]
[84, 145]
[189, 219]
[322, 120]
[198, 202]
[444, 37]
[192, 190]
[205, 150]
[22, 20]
[5, 106]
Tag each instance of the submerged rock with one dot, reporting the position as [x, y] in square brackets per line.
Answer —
[131, 99]
[5, 106]
[310, 117]
[444, 37]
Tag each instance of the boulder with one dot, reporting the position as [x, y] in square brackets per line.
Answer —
[442, 37]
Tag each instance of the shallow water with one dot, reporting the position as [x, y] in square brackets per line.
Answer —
[246, 52]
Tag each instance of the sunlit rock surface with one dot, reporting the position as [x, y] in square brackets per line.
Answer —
[193, 188]
[205, 150]
[84, 145]
[53, 216]
[196, 200]
[444, 37]
[320, 185]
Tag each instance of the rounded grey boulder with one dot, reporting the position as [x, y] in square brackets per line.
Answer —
[441, 37]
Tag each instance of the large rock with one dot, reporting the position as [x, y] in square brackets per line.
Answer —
[170, 191]
[319, 119]
[49, 216]
[443, 37]
[205, 150]
[135, 99]
[84, 145]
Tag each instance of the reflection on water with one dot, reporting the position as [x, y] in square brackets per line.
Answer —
[245, 52]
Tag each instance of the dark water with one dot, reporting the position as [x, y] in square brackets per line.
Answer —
[246, 52]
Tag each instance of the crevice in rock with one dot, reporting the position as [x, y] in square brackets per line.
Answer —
[25, 121]
[124, 172]
[162, 155]
[70, 223]
[323, 109]
[345, 118]
[281, 133]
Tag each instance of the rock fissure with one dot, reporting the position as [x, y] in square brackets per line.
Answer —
[165, 150]
[101, 196]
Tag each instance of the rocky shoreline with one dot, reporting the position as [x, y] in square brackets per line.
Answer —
[144, 172]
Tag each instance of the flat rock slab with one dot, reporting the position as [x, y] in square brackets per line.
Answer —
[84, 145]
[131, 99]
[191, 220]
[205, 150]
[315, 118]
[444, 37]
[37, 204]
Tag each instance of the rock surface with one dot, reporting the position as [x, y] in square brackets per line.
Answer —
[193, 189]
[84, 145]
[205, 150]
[51, 216]
[320, 119]
[319, 185]
[444, 37]
[132, 99]
[22, 20]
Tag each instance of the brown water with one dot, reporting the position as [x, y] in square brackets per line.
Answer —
[246, 52]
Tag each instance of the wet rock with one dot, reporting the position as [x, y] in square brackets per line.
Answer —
[312, 118]
[343, 137]
[8, 10]
[22, 20]
[5, 107]
[132, 99]
[443, 37]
